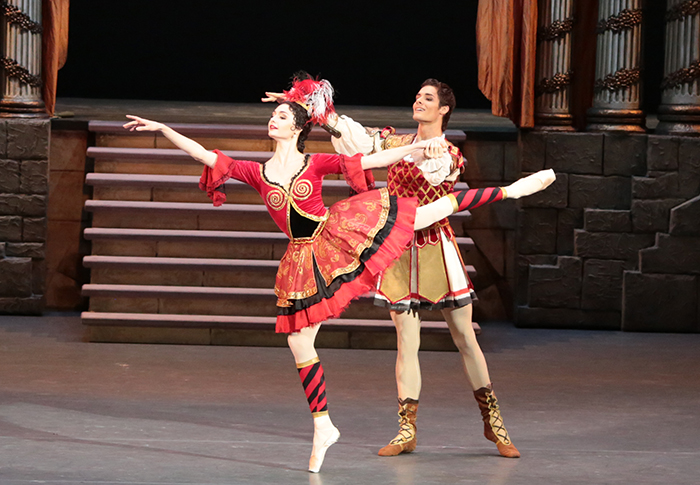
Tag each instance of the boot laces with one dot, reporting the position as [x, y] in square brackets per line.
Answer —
[406, 430]
[495, 419]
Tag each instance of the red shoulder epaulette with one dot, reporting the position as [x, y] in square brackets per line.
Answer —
[388, 131]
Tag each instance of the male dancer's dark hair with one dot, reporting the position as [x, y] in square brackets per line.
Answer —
[446, 97]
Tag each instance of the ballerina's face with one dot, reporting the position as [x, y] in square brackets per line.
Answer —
[281, 124]
[426, 107]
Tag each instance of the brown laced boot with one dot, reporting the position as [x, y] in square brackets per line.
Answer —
[405, 441]
[494, 430]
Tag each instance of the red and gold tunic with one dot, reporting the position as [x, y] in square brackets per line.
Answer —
[334, 255]
[430, 274]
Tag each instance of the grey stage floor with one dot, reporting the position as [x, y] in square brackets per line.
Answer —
[582, 406]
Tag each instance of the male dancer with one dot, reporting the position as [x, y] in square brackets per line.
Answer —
[425, 277]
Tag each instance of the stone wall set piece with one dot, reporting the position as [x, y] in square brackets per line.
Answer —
[23, 193]
[623, 251]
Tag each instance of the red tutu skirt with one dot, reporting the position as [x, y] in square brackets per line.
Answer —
[320, 275]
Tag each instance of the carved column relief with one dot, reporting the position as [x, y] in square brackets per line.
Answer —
[553, 89]
[20, 59]
[679, 112]
[617, 99]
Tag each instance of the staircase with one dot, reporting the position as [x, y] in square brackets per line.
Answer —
[169, 267]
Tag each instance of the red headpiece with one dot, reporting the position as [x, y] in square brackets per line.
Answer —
[315, 96]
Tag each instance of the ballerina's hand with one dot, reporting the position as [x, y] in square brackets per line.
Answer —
[273, 97]
[142, 124]
[435, 148]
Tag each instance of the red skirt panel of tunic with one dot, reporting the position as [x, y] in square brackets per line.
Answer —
[318, 277]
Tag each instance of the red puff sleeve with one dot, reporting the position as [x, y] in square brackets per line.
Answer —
[359, 180]
[213, 178]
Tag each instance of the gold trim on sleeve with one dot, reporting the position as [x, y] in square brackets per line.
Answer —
[301, 365]
[455, 205]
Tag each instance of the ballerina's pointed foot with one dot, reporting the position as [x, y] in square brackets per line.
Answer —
[322, 441]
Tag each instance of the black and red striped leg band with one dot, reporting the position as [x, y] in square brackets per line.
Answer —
[473, 198]
[314, 382]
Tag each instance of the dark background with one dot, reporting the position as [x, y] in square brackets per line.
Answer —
[374, 53]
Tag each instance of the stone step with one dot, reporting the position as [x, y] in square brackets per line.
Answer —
[186, 271]
[195, 215]
[240, 322]
[208, 300]
[159, 328]
[201, 243]
[172, 161]
[235, 131]
[185, 188]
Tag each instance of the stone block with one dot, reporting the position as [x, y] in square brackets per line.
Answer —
[485, 160]
[26, 250]
[34, 229]
[659, 303]
[28, 139]
[689, 167]
[32, 305]
[537, 231]
[2, 250]
[3, 138]
[532, 148]
[666, 184]
[511, 162]
[685, 218]
[602, 285]
[15, 277]
[567, 221]
[652, 215]
[595, 192]
[9, 176]
[10, 228]
[662, 152]
[23, 205]
[671, 255]
[580, 153]
[556, 286]
[68, 150]
[66, 196]
[34, 177]
[555, 196]
[624, 154]
[604, 245]
[600, 220]
[501, 215]
[566, 318]
[523, 273]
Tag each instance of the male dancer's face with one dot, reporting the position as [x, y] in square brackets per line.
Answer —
[426, 108]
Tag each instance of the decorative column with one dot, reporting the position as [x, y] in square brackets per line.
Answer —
[679, 112]
[553, 89]
[20, 59]
[617, 99]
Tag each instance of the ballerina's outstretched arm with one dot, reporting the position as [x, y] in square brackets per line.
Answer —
[470, 199]
[191, 147]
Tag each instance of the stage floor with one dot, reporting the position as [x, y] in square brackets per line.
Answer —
[584, 407]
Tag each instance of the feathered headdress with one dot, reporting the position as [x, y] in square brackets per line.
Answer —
[315, 96]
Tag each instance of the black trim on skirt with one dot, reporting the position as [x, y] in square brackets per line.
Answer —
[325, 292]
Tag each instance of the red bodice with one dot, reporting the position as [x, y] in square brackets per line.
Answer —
[301, 198]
